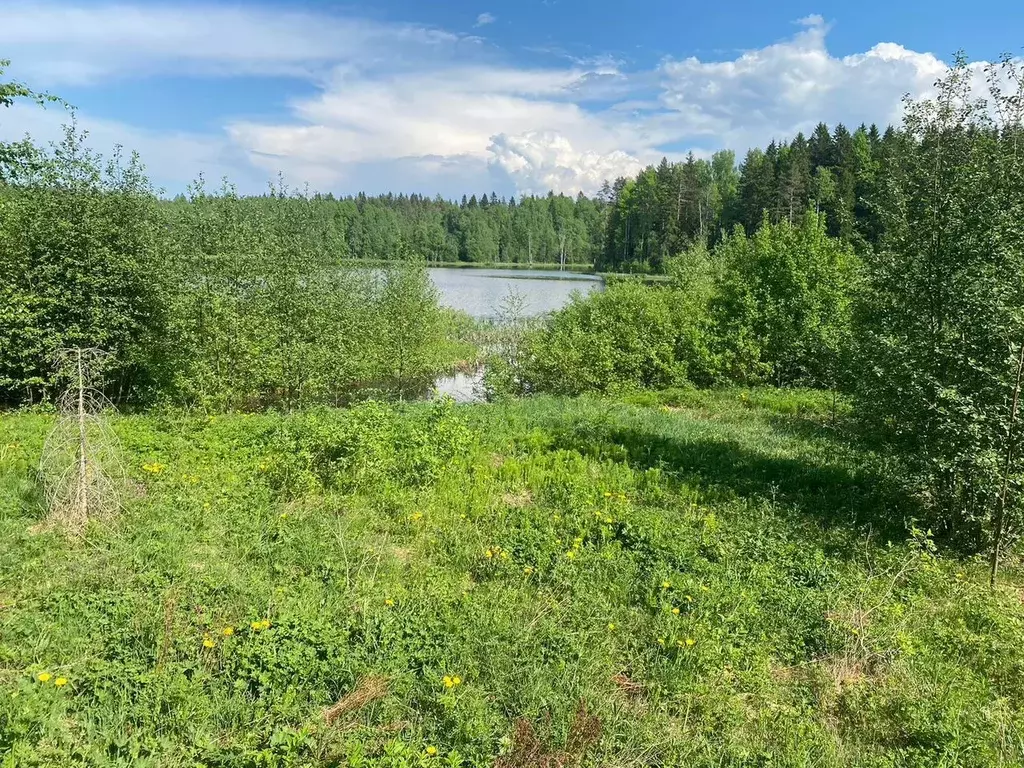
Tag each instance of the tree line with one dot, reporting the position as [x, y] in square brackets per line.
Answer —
[630, 225]
[555, 229]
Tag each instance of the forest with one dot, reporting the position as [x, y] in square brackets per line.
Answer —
[764, 509]
[630, 225]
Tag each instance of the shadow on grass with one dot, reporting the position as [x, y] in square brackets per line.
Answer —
[857, 498]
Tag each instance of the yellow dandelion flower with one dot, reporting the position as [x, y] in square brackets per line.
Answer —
[489, 554]
[690, 642]
[44, 677]
[611, 626]
[228, 631]
[416, 516]
[60, 682]
[608, 520]
[283, 515]
[666, 584]
[451, 682]
[528, 570]
[209, 642]
[661, 641]
[607, 494]
[675, 611]
[431, 750]
[571, 554]
[389, 603]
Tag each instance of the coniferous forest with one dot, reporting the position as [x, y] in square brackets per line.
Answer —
[630, 225]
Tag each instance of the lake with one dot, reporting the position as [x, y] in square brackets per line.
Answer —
[480, 293]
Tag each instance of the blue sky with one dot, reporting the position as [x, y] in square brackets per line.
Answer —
[466, 96]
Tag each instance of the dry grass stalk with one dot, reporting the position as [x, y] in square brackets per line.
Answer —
[367, 690]
[80, 467]
[517, 500]
[529, 751]
[167, 638]
[628, 685]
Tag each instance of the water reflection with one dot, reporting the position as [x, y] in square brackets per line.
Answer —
[481, 293]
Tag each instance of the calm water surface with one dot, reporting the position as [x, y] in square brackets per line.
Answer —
[480, 292]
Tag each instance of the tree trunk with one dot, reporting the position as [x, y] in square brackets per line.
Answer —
[1000, 520]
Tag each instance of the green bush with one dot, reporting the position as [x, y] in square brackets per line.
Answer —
[80, 266]
[782, 307]
[620, 338]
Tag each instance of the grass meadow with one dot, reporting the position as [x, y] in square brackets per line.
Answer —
[673, 579]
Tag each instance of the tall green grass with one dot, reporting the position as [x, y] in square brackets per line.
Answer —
[698, 580]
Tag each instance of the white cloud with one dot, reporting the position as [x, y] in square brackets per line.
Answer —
[453, 112]
[485, 18]
[56, 42]
[541, 160]
[413, 108]
[775, 91]
[172, 159]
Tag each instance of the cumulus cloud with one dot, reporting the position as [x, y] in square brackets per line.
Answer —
[541, 160]
[413, 108]
[484, 19]
[453, 113]
[775, 91]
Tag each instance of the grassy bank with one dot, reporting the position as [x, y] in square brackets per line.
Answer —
[689, 580]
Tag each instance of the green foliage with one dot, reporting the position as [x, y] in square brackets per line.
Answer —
[264, 311]
[783, 304]
[942, 319]
[18, 157]
[217, 302]
[79, 267]
[774, 307]
[619, 338]
[371, 445]
[716, 577]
